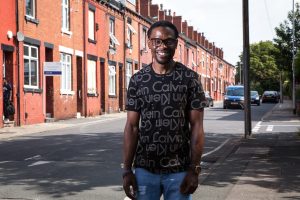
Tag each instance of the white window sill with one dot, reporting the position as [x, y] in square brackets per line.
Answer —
[67, 92]
[31, 87]
[67, 32]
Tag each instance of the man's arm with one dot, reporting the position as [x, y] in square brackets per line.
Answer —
[129, 149]
[190, 183]
[197, 136]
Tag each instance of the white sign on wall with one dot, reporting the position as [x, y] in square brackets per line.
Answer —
[52, 68]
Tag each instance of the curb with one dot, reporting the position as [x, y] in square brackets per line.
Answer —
[267, 115]
[10, 132]
[228, 150]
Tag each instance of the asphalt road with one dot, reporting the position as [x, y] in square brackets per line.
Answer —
[84, 162]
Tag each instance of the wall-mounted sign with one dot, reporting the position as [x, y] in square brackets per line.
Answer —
[52, 68]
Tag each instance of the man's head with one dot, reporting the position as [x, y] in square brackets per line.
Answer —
[162, 40]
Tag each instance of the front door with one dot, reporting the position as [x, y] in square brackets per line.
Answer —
[79, 85]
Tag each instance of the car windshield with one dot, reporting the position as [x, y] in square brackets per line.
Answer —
[269, 92]
[253, 93]
[235, 92]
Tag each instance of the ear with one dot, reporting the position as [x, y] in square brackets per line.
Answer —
[149, 44]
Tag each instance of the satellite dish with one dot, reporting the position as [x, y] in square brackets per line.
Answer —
[20, 36]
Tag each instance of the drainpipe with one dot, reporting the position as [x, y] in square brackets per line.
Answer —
[124, 65]
[18, 65]
[84, 96]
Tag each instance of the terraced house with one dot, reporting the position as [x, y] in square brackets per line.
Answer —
[73, 58]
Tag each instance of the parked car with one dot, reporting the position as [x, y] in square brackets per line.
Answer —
[255, 97]
[209, 100]
[270, 96]
[234, 97]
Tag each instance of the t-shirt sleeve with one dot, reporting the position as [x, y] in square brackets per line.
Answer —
[133, 100]
[196, 96]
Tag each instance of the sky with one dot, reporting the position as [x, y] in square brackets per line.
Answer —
[221, 20]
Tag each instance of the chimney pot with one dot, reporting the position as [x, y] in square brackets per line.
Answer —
[174, 14]
[166, 12]
[169, 12]
[161, 6]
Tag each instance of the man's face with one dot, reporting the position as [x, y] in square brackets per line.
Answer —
[163, 44]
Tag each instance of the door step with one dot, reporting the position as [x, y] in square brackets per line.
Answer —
[49, 120]
[8, 123]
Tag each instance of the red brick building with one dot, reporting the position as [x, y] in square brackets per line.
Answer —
[97, 45]
[8, 51]
[50, 39]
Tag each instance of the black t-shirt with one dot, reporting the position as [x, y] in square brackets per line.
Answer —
[163, 102]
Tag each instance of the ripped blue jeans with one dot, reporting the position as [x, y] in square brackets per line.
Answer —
[151, 186]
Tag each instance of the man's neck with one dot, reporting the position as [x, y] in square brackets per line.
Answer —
[163, 68]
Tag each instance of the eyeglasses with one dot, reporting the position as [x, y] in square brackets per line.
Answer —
[168, 42]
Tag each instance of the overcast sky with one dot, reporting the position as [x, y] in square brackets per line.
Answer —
[221, 20]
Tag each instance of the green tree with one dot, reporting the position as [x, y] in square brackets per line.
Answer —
[284, 42]
[263, 73]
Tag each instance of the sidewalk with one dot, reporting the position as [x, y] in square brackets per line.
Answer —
[8, 132]
[265, 166]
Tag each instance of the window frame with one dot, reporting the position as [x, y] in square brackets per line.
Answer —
[92, 78]
[65, 82]
[32, 15]
[91, 28]
[112, 43]
[144, 39]
[65, 27]
[128, 73]
[112, 80]
[30, 59]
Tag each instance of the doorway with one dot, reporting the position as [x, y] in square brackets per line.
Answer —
[8, 74]
[79, 85]
[49, 87]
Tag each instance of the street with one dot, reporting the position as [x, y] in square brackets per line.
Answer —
[84, 162]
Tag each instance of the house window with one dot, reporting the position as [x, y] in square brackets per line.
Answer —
[91, 25]
[30, 8]
[193, 60]
[31, 70]
[65, 15]
[180, 53]
[92, 77]
[132, 1]
[128, 73]
[113, 40]
[144, 39]
[130, 32]
[66, 76]
[187, 57]
[203, 62]
[112, 80]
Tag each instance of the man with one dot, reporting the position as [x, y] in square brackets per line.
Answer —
[7, 95]
[165, 148]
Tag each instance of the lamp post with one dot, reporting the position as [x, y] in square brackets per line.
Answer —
[293, 61]
[246, 62]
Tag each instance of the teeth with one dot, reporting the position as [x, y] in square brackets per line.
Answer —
[162, 53]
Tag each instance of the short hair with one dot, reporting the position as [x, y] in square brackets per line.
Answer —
[163, 23]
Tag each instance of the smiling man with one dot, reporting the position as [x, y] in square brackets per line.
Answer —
[163, 136]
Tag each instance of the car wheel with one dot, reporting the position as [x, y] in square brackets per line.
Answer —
[258, 104]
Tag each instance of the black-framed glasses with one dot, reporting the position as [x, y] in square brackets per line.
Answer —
[168, 42]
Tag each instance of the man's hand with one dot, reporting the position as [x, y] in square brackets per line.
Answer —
[189, 183]
[130, 186]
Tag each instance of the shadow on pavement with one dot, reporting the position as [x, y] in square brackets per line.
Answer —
[62, 165]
